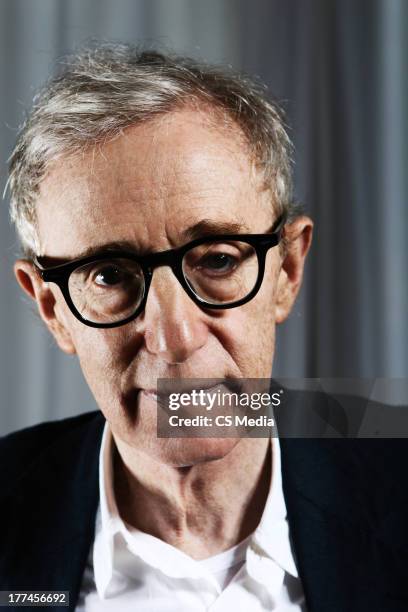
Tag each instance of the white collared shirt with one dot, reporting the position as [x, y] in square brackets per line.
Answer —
[128, 569]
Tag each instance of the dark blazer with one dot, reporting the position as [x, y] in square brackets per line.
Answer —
[347, 503]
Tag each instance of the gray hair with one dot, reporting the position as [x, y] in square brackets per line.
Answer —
[106, 88]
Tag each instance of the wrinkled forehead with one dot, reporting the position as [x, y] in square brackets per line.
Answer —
[149, 184]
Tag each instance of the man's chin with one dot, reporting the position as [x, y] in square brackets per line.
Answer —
[187, 452]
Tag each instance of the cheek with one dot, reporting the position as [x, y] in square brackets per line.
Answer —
[253, 327]
[99, 355]
[248, 335]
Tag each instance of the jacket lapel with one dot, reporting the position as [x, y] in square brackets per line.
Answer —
[329, 525]
[52, 515]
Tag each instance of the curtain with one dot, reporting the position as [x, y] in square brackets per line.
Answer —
[340, 70]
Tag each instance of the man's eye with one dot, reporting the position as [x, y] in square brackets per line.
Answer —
[109, 276]
[218, 262]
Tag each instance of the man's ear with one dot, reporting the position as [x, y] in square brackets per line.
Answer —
[50, 311]
[298, 237]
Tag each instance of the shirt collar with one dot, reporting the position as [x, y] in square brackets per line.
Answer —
[270, 541]
[271, 538]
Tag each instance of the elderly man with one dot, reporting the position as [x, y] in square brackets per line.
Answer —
[152, 196]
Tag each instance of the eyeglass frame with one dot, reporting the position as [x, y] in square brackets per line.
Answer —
[171, 257]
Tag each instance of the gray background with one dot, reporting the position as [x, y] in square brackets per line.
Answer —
[340, 67]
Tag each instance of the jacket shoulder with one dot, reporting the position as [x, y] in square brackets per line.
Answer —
[20, 449]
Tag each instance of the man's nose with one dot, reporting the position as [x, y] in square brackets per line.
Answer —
[174, 326]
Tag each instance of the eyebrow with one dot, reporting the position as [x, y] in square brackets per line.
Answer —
[206, 227]
[202, 229]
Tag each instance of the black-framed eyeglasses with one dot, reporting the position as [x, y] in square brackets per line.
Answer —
[111, 288]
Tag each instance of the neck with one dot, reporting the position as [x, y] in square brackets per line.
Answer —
[201, 509]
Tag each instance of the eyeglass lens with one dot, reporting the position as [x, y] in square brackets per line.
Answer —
[107, 291]
[221, 273]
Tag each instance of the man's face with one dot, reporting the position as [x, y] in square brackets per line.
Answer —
[146, 188]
